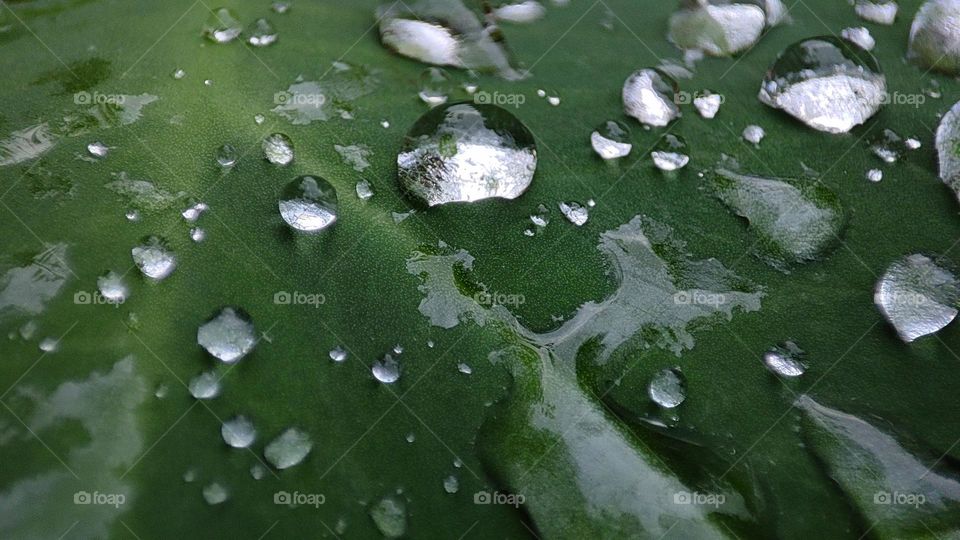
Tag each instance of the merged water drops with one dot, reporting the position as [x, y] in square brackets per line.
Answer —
[309, 204]
[289, 449]
[670, 153]
[668, 388]
[650, 96]
[718, 28]
[611, 140]
[154, 259]
[435, 86]
[948, 148]
[389, 514]
[278, 149]
[228, 336]
[386, 370]
[785, 360]
[464, 152]
[918, 296]
[238, 432]
[934, 40]
[827, 83]
[222, 26]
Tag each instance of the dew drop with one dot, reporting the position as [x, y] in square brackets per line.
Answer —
[877, 11]
[451, 484]
[917, 296]
[707, 103]
[611, 140]
[338, 354]
[222, 26]
[947, 141]
[649, 95]
[227, 156]
[576, 214]
[278, 149]
[154, 259]
[859, 36]
[386, 370]
[49, 344]
[410, 437]
[228, 336]
[390, 516]
[289, 449]
[179, 74]
[309, 204]
[261, 33]
[257, 471]
[435, 86]
[112, 287]
[132, 215]
[785, 360]
[238, 432]
[98, 150]
[280, 7]
[888, 146]
[754, 134]
[193, 212]
[464, 368]
[524, 12]
[364, 191]
[205, 385]
[215, 493]
[668, 388]
[198, 235]
[670, 153]
[874, 175]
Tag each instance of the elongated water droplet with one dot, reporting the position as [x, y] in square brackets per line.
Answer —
[611, 140]
[215, 493]
[524, 12]
[668, 388]
[222, 26]
[98, 150]
[278, 149]
[464, 368]
[309, 204]
[464, 152]
[205, 385]
[785, 360]
[261, 33]
[390, 516]
[386, 370]
[717, 28]
[877, 11]
[670, 153]
[289, 449]
[154, 259]
[238, 432]
[435, 86]
[826, 83]
[650, 96]
[228, 336]
[918, 296]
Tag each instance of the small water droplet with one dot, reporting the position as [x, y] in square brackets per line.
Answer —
[227, 156]
[754, 134]
[222, 26]
[435, 86]
[464, 368]
[179, 74]
[154, 259]
[410, 437]
[258, 119]
[205, 386]
[386, 370]
[390, 516]
[161, 391]
[524, 12]
[197, 234]
[874, 175]
[708, 103]
[932, 89]
[257, 471]
[289, 449]
[261, 33]
[888, 146]
[98, 149]
[668, 388]
[649, 95]
[132, 215]
[859, 36]
[785, 360]
[215, 493]
[278, 149]
[385, 124]
[280, 7]
[576, 214]
[917, 296]
[49, 344]
[238, 432]
[338, 354]
[611, 140]
[670, 153]
[912, 144]
[451, 484]
[309, 204]
[193, 212]
[553, 100]
[364, 191]
[228, 336]
[112, 287]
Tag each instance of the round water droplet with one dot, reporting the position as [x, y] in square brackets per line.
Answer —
[289, 449]
[670, 153]
[49, 344]
[205, 385]
[179, 74]
[227, 156]
[98, 149]
[918, 296]
[222, 26]
[576, 214]
[451, 484]
[132, 215]
[874, 175]
[410, 437]
[215, 493]
[826, 83]
[228, 336]
[238, 432]
[309, 204]
[718, 28]
[112, 287]
[754, 134]
[338, 354]
[258, 119]
[611, 140]
[464, 152]
[785, 360]
[650, 96]
[278, 149]
[668, 388]
[386, 370]
[390, 516]
[435, 86]
[154, 259]
[261, 33]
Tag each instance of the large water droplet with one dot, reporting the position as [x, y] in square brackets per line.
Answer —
[826, 83]
[386, 370]
[309, 204]
[222, 26]
[649, 95]
[464, 152]
[934, 40]
[390, 516]
[278, 149]
[289, 449]
[611, 140]
[205, 385]
[238, 432]
[785, 360]
[154, 259]
[918, 296]
[228, 336]
[717, 28]
[948, 148]
[670, 153]
[668, 388]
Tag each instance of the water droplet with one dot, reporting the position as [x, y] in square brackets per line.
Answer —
[826, 83]
[338, 354]
[434, 86]
[754, 134]
[215, 493]
[261, 33]
[932, 89]
[398, 349]
[670, 153]
[179, 74]
[877, 11]
[912, 144]
[410, 437]
[27, 330]
[553, 100]
[888, 146]
[390, 516]
[238, 432]
[154, 259]
[280, 7]
[364, 191]
[227, 156]
[451, 484]
[464, 152]
[386, 370]
[222, 26]
[717, 28]
[785, 360]
[289, 449]
[278, 149]
[189, 475]
[576, 214]
[208, 82]
[161, 391]
[132, 215]
[917, 296]
[228, 336]
[197, 234]
[258, 119]
[385, 124]
[205, 385]
[947, 143]
[354, 155]
[649, 95]
[49, 344]
[668, 388]
[193, 212]
[112, 287]
[309, 204]
[524, 12]
[797, 221]
[98, 149]
[611, 140]
[859, 36]
[707, 103]
[874, 175]
[257, 471]
[464, 368]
